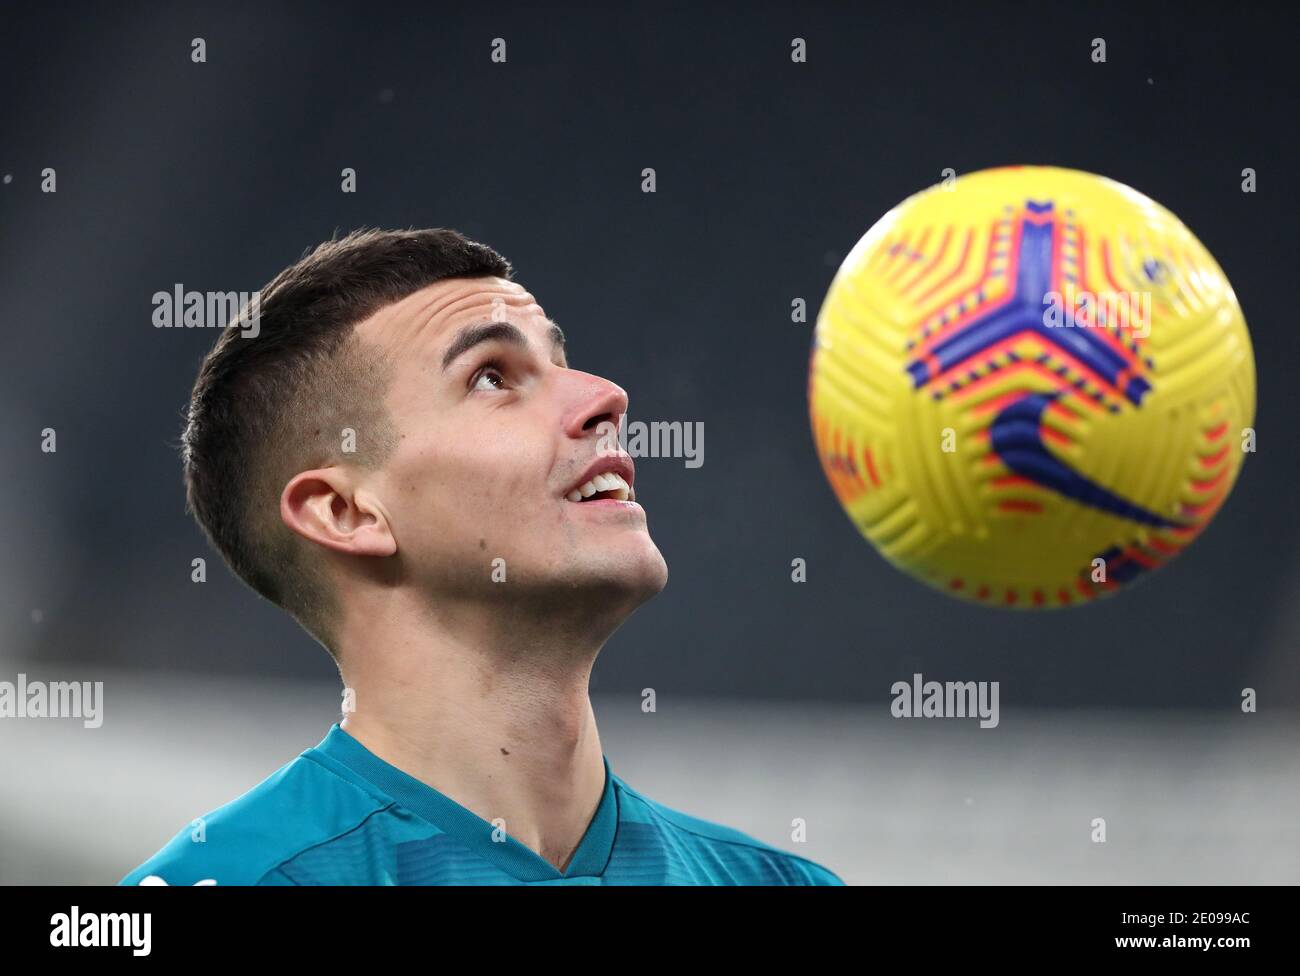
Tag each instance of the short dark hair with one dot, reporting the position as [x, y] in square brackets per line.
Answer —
[271, 403]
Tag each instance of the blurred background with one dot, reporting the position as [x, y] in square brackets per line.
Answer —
[773, 697]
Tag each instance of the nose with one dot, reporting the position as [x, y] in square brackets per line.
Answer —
[596, 401]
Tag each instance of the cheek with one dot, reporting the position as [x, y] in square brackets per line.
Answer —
[421, 480]
[469, 485]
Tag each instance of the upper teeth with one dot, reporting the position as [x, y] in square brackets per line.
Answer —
[609, 481]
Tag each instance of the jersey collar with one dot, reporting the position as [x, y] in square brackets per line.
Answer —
[518, 860]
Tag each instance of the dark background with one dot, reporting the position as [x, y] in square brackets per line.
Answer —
[217, 175]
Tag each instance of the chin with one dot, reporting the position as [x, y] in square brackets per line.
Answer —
[647, 565]
[635, 574]
[653, 573]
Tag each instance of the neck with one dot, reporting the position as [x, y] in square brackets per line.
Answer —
[489, 705]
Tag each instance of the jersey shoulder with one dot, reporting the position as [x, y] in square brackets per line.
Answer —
[745, 859]
[305, 803]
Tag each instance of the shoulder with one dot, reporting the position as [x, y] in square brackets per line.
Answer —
[746, 859]
[303, 804]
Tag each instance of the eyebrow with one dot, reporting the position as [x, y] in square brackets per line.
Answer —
[473, 335]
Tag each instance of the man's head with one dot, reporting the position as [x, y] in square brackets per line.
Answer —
[405, 418]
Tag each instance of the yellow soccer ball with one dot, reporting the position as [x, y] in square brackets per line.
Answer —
[1031, 386]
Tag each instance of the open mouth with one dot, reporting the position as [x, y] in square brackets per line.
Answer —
[607, 485]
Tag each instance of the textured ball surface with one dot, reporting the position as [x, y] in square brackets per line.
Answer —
[1029, 387]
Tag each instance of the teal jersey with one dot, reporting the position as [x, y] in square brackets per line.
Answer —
[340, 815]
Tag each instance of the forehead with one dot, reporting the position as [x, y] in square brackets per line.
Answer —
[432, 315]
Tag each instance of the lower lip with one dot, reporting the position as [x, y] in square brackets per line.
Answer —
[608, 505]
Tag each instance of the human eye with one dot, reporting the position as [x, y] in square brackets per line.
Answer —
[490, 376]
